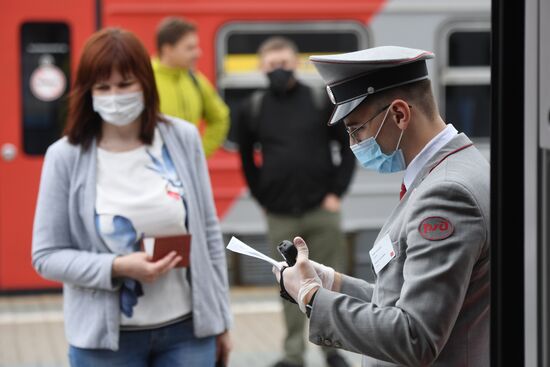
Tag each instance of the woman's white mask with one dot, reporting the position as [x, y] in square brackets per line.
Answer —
[119, 109]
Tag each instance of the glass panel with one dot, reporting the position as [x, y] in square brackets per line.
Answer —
[469, 49]
[323, 41]
[242, 47]
[468, 108]
[45, 80]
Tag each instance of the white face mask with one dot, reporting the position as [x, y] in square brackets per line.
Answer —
[119, 109]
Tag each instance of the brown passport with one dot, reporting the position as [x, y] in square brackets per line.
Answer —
[159, 247]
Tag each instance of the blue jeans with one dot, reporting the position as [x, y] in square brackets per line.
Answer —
[172, 345]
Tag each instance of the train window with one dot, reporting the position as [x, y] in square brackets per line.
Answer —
[464, 110]
[237, 65]
[469, 49]
[318, 42]
[45, 68]
[465, 79]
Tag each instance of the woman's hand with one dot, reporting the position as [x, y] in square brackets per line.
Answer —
[138, 266]
[223, 347]
[331, 202]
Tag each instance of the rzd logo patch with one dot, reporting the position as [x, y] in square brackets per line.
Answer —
[435, 228]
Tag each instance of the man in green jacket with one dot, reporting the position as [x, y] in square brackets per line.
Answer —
[183, 91]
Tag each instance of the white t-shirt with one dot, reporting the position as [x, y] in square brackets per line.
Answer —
[139, 195]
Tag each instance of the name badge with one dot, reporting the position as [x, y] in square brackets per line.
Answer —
[381, 253]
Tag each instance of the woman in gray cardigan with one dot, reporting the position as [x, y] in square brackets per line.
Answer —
[125, 178]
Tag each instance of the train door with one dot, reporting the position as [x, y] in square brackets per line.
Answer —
[520, 184]
[39, 47]
[464, 85]
[537, 184]
[544, 181]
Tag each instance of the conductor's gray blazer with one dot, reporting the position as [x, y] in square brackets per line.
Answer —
[67, 248]
[429, 305]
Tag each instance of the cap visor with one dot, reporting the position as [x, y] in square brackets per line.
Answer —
[341, 111]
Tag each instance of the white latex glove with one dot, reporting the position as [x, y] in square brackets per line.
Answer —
[325, 273]
[301, 278]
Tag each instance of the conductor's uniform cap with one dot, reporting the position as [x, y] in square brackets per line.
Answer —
[351, 77]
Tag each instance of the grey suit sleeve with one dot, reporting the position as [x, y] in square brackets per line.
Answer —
[357, 288]
[55, 255]
[436, 275]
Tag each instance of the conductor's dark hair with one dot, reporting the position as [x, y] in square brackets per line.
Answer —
[418, 94]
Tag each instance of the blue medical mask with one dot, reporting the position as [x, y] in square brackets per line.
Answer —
[370, 155]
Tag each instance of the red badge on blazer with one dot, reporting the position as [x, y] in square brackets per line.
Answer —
[435, 228]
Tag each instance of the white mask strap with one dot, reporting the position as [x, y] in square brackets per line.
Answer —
[383, 122]
[399, 141]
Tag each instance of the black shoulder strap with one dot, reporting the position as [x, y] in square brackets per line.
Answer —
[255, 105]
[198, 86]
[195, 81]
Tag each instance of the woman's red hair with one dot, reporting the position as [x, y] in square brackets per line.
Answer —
[107, 50]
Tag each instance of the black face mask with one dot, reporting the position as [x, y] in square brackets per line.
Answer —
[279, 80]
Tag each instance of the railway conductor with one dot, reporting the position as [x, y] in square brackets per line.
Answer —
[429, 305]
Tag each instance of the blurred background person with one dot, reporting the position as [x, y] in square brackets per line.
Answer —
[298, 184]
[185, 92]
[123, 173]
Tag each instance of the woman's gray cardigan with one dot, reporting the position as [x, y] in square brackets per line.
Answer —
[67, 248]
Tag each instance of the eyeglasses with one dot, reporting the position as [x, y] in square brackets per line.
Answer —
[353, 133]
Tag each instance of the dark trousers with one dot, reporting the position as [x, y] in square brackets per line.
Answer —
[326, 242]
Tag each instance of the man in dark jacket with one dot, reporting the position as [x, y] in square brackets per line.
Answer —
[299, 182]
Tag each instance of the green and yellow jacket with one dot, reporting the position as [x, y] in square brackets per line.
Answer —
[193, 98]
